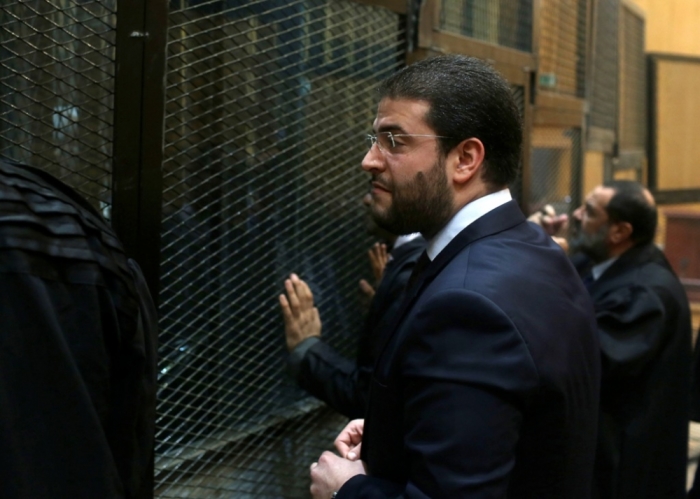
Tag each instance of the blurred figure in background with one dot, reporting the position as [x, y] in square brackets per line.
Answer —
[644, 327]
[77, 349]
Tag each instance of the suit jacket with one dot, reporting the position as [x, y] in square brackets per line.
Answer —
[487, 387]
[340, 382]
[77, 349]
[645, 333]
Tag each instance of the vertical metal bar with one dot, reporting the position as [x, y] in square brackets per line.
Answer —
[652, 68]
[153, 122]
[138, 131]
[526, 173]
[139, 104]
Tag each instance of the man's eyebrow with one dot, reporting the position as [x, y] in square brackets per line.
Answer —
[390, 128]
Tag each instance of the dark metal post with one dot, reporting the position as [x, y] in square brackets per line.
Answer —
[138, 131]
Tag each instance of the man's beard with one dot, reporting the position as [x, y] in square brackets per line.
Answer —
[593, 245]
[424, 204]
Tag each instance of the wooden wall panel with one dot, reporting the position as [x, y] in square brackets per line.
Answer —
[678, 127]
[672, 25]
[593, 162]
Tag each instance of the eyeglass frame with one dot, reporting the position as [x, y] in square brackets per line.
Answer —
[372, 137]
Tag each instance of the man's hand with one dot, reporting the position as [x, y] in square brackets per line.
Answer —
[561, 241]
[330, 473]
[367, 290]
[547, 218]
[349, 440]
[378, 258]
[301, 319]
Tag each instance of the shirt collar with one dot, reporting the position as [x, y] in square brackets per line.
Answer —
[401, 240]
[597, 270]
[465, 217]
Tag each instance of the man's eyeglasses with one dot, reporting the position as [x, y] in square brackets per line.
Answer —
[392, 142]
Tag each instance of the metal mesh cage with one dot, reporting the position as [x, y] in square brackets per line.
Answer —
[562, 46]
[503, 22]
[633, 74]
[556, 168]
[604, 89]
[56, 90]
[267, 103]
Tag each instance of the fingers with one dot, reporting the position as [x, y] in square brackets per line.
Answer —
[299, 295]
[354, 453]
[378, 258]
[286, 310]
[350, 438]
[292, 297]
[366, 288]
[303, 291]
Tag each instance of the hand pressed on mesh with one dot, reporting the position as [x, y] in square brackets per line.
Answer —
[301, 318]
[378, 258]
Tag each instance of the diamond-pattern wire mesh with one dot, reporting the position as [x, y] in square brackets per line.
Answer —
[633, 74]
[507, 23]
[56, 90]
[562, 46]
[266, 106]
[556, 167]
[604, 88]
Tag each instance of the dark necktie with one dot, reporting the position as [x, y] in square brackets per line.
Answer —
[422, 262]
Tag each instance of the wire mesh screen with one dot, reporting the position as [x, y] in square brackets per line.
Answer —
[633, 77]
[266, 110]
[556, 168]
[604, 91]
[562, 46]
[56, 90]
[503, 22]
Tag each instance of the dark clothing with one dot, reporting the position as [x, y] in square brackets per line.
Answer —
[694, 492]
[644, 326]
[487, 386]
[338, 381]
[77, 349]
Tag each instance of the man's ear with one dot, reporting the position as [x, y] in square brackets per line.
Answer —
[470, 154]
[620, 232]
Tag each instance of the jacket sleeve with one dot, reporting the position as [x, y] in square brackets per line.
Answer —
[336, 380]
[343, 383]
[631, 324]
[464, 373]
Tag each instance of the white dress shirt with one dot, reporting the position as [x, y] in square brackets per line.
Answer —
[465, 217]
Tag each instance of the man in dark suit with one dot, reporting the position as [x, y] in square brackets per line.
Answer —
[487, 384]
[644, 327]
[317, 367]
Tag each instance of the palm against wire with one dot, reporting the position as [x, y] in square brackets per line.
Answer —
[301, 318]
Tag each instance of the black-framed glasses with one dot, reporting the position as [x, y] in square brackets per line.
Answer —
[391, 142]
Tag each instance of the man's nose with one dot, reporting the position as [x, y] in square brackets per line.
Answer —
[373, 160]
[578, 213]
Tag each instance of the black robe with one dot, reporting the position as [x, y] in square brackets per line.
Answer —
[77, 349]
[645, 334]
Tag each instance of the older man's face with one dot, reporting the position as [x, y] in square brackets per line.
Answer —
[590, 225]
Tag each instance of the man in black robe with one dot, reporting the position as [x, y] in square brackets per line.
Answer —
[645, 334]
[77, 349]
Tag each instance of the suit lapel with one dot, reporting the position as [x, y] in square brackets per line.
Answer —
[502, 218]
